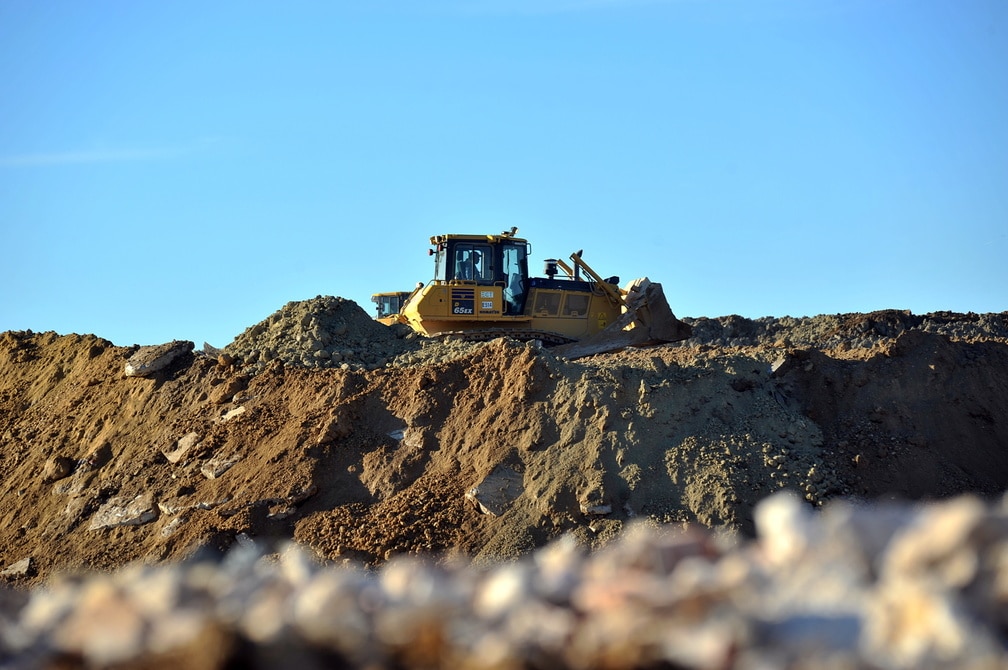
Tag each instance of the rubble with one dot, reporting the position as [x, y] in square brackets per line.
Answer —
[802, 594]
[23, 568]
[215, 467]
[151, 359]
[123, 511]
[323, 332]
[400, 443]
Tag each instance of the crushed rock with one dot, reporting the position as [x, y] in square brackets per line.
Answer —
[323, 332]
[898, 586]
[845, 331]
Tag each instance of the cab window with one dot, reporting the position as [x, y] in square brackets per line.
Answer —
[474, 262]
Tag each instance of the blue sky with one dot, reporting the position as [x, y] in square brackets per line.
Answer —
[180, 170]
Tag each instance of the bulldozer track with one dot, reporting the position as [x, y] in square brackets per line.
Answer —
[487, 334]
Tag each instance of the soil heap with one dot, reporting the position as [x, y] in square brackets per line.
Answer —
[324, 332]
[364, 443]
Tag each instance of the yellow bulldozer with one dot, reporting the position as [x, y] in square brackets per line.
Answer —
[482, 290]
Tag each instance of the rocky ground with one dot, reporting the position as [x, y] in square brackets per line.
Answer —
[371, 448]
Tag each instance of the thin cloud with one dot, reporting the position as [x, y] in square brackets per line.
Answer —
[102, 155]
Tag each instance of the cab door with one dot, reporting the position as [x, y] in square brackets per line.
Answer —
[514, 271]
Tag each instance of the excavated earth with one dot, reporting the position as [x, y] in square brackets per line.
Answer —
[362, 443]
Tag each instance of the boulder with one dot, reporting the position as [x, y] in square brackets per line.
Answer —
[56, 468]
[123, 511]
[148, 360]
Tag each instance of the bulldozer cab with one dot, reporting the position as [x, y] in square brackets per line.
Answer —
[387, 305]
[488, 260]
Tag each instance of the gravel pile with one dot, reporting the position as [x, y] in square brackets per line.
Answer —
[828, 331]
[891, 586]
[324, 332]
[332, 332]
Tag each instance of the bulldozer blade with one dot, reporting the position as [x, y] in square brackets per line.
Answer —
[648, 320]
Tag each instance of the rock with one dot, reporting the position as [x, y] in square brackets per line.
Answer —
[414, 437]
[182, 447]
[938, 543]
[497, 491]
[653, 597]
[72, 486]
[123, 511]
[233, 413]
[172, 526]
[596, 510]
[211, 504]
[783, 365]
[56, 468]
[172, 506]
[148, 360]
[225, 392]
[23, 568]
[215, 467]
[336, 427]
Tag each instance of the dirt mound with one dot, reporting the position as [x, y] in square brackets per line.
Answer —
[324, 332]
[388, 444]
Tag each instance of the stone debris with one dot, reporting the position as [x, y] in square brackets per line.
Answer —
[828, 331]
[23, 568]
[182, 447]
[596, 510]
[150, 359]
[73, 485]
[215, 467]
[497, 491]
[228, 390]
[124, 511]
[172, 526]
[232, 413]
[849, 586]
[323, 332]
[56, 468]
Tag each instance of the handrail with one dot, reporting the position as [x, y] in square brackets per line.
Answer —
[613, 293]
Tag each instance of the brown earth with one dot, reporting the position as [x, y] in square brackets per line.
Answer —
[371, 451]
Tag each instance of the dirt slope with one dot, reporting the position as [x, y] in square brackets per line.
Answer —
[369, 449]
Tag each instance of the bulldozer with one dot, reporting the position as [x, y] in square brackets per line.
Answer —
[388, 305]
[482, 290]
